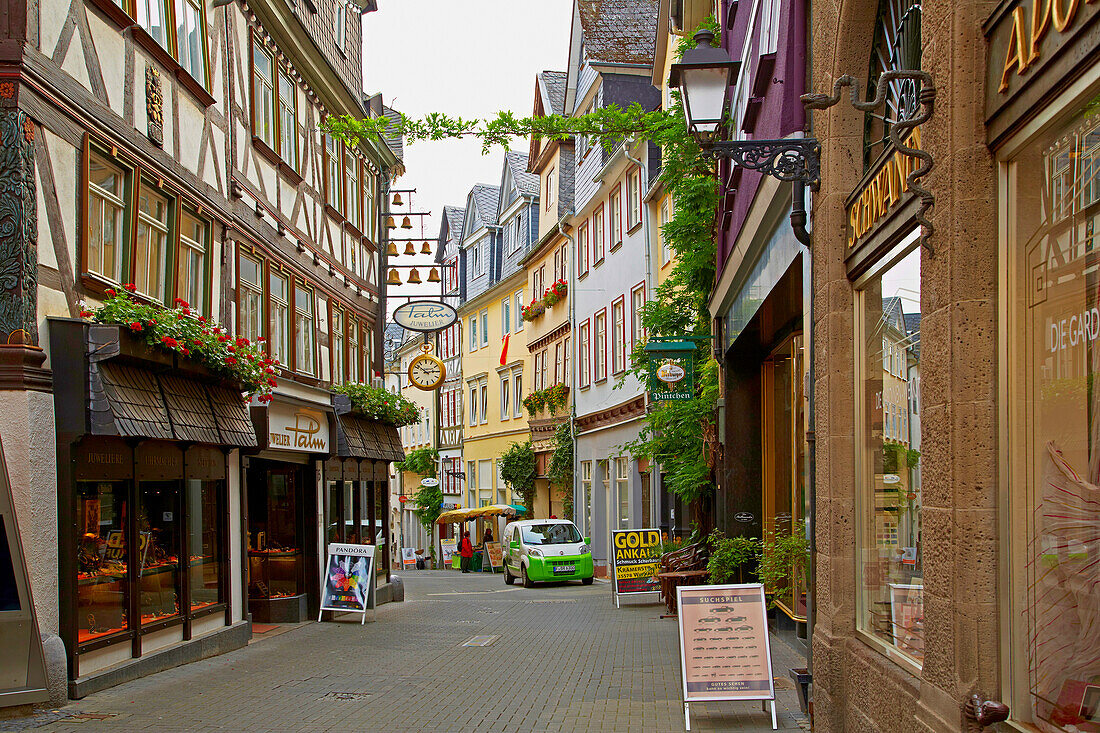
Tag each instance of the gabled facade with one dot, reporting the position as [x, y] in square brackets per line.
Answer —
[448, 343]
[548, 331]
[611, 56]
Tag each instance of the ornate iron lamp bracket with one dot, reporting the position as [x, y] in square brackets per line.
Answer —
[791, 160]
[899, 130]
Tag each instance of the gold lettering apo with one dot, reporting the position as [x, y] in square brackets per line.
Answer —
[883, 191]
[1024, 42]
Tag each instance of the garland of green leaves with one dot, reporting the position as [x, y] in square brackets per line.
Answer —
[681, 435]
[560, 470]
[380, 404]
[181, 331]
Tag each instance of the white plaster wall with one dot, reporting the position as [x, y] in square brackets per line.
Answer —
[112, 60]
[30, 452]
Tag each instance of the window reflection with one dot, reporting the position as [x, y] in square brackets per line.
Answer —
[102, 557]
[890, 497]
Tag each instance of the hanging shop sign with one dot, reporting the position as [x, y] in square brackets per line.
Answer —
[636, 561]
[431, 483]
[347, 585]
[296, 428]
[671, 370]
[724, 649]
[494, 554]
[883, 190]
[424, 315]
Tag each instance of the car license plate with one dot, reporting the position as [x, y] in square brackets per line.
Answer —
[565, 568]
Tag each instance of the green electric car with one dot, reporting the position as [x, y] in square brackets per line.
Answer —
[545, 550]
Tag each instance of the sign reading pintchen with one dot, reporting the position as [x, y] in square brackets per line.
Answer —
[635, 562]
[724, 648]
[424, 315]
[295, 428]
[347, 584]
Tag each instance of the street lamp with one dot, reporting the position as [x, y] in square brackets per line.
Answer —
[704, 78]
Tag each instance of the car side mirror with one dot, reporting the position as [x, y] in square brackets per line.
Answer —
[588, 540]
[514, 545]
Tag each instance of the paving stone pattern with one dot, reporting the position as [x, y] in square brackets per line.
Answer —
[564, 659]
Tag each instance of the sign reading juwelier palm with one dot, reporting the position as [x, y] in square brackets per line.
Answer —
[671, 370]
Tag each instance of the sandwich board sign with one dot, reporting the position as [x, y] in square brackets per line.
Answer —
[635, 561]
[724, 649]
[408, 558]
[348, 583]
[494, 556]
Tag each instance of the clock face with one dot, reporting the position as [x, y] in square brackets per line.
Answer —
[426, 372]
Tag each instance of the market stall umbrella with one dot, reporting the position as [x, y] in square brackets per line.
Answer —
[494, 510]
[454, 515]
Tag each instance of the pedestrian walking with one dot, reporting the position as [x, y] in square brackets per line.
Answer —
[465, 551]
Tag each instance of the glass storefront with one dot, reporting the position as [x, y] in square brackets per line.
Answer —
[276, 531]
[174, 509]
[1054, 424]
[889, 497]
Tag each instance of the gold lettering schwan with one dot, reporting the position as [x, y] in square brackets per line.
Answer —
[882, 192]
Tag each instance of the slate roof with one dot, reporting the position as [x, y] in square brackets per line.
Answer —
[553, 87]
[486, 197]
[619, 31]
[396, 142]
[453, 218]
[526, 183]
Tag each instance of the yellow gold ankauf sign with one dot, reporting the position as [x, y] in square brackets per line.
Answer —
[882, 192]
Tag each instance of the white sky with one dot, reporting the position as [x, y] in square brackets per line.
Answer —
[469, 58]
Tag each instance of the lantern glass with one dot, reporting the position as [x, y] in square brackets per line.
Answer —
[704, 91]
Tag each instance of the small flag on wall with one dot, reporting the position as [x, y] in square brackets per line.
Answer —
[504, 350]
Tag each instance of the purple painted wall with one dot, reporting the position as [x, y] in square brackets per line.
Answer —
[776, 81]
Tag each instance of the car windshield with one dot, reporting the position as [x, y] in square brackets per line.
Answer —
[550, 534]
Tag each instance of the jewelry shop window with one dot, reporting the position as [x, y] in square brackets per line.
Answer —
[1053, 425]
[891, 572]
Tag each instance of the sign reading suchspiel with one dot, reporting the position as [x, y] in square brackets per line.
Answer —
[724, 649]
[347, 583]
[636, 560]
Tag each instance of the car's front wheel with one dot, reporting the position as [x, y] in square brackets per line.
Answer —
[509, 579]
[527, 582]
[586, 581]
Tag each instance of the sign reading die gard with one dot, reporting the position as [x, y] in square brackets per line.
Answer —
[294, 428]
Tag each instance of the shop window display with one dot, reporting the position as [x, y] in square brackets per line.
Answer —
[274, 555]
[204, 509]
[102, 559]
[891, 567]
[158, 550]
[1055, 426]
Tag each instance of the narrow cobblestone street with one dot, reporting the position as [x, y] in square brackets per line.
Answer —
[562, 658]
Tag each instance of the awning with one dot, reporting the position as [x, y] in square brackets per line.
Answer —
[360, 437]
[494, 510]
[454, 515]
[132, 402]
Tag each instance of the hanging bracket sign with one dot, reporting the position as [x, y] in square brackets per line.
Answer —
[671, 370]
[424, 315]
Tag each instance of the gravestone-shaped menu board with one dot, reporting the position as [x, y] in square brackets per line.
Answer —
[724, 650]
[494, 555]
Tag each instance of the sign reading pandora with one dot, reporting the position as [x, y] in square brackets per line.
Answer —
[290, 427]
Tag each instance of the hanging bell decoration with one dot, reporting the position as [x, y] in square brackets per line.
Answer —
[433, 276]
[390, 223]
[409, 249]
[397, 199]
[426, 248]
[394, 277]
[406, 223]
[391, 250]
[414, 277]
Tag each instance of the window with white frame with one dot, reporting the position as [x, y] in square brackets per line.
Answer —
[583, 355]
[304, 324]
[484, 391]
[549, 189]
[288, 119]
[666, 250]
[518, 310]
[250, 298]
[107, 194]
[473, 404]
[618, 334]
[151, 243]
[582, 249]
[599, 236]
[484, 328]
[557, 363]
[517, 393]
[634, 198]
[637, 301]
[278, 292]
[263, 94]
[506, 316]
[599, 346]
[505, 396]
[615, 217]
[336, 344]
[473, 333]
[191, 261]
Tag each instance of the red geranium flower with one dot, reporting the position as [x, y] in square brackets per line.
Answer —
[131, 287]
[135, 326]
[169, 342]
[180, 301]
[231, 347]
[85, 314]
[272, 382]
[197, 342]
[112, 292]
[242, 341]
[230, 360]
[184, 351]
